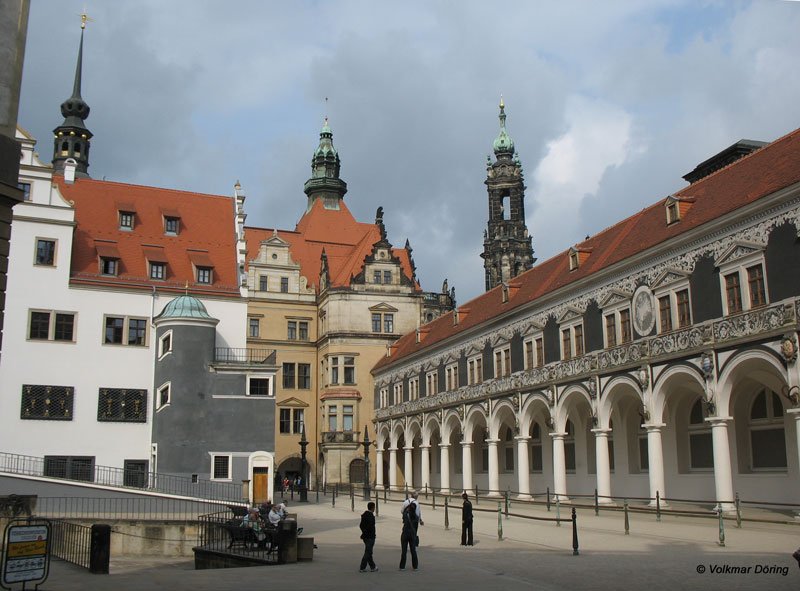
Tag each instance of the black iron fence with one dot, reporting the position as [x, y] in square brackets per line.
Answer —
[71, 542]
[64, 468]
[244, 356]
[142, 508]
[221, 531]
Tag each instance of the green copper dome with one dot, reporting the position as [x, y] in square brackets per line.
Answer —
[503, 144]
[184, 306]
[325, 147]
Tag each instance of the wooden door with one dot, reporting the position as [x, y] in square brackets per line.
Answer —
[260, 485]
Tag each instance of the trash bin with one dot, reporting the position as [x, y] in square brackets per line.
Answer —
[287, 541]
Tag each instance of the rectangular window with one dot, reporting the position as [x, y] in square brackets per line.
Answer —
[413, 388]
[376, 276]
[332, 422]
[626, 336]
[135, 473]
[284, 285]
[733, 293]
[52, 326]
[684, 309]
[431, 383]
[45, 252]
[70, 467]
[475, 370]
[388, 323]
[347, 417]
[302, 329]
[398, 393]
[108, 266]
[387, 277]
[451, 376]
[48, 403]
[611, 330]
[158, 271]
[163, 396]
[376, 322]
[349, 370]
[304, 376]
[530, 360]
[566, 344]
[578, 333]
[298, 420]
[285, 421]
[204, 275]
[383, 321]
[125, 220]
[165, 344]
[502, 362]
[253, 327]
[334, 370]
[221, 467]
[665, 313]
[291, 330]
[137, 330]
[118, 405]
[259, 387]
[117, 327]
[26, 191]
[288, 375]
[262, 283]
[383, 397]
[114, 329]
[755, 282]
[171, 225]
[540, 352]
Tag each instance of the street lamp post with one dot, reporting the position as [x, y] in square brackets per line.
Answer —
[303, 475]
[366, 444]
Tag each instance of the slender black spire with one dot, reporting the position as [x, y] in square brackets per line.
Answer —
[72, 138]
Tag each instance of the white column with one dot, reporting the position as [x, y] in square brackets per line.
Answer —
[392, 468]
[379, 469]
[444, 466]
[466, 465]
[723, 479]
[408, 468]
[494, 468]
[523, 464]
[655, 462]
[795, 412]
[602, 465]
[559, 466]
[425, 464]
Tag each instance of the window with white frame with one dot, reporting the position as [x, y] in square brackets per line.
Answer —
[383, 397]
[165, 344]
[617, 322]
[109, 266]
[254, 327]
[674, 305]
[432, 382]
[259, 385]
[502, 361]
[383, 322]
[342, 370]
[45, 252]
[51, 325]
[451, 376]
[291, 421]
[398, 392]
[475, 369]
[413, 388]
[572, 341]
[533, 348]
[163, 395]
[220, 467]
[743, 281]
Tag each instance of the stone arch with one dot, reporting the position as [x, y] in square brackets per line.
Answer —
[678, 376]
[535, 404]
[757, 364]
[383, 434]
[474, 417]
[398, 433]
[572, 399]
[502, 413]
[451, 424]
[413, 429]
[430, 426]
[616, 388]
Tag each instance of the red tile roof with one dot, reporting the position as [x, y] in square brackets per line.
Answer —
[753, 177]
[206, 230]
[346, 242]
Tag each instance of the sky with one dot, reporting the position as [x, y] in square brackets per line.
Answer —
[609, 104]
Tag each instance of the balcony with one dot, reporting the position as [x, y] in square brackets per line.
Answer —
[339, 437]
[231, 356]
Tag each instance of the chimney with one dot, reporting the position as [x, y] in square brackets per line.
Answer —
[69, 170]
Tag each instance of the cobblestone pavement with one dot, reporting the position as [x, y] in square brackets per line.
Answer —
[677, 553]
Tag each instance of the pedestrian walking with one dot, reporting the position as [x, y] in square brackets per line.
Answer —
[367, 526]
[414, 498]
[466, 521]
[408, 539]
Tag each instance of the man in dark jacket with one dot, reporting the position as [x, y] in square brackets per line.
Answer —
[367, 526]
[466, 521]
[409, 536]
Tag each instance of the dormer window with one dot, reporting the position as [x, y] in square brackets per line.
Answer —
[376, 276]
[204, 275]
[676, 208]
[126, 220]
[673, 212]
[574, 261]
[387, 277]
[171, 226]
[108, 257]
[108, 266]
[203, 266]
[158, 271]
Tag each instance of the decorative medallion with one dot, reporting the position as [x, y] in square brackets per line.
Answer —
[789, 348]
[707, 365]
[644, 313]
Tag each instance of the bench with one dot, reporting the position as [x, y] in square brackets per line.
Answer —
[244, 536]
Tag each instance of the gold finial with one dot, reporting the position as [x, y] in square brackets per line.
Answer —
[186, 287]
[238, 185]
[84, 18]
[502, 104]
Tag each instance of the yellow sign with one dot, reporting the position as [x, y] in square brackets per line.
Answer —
[18, 549]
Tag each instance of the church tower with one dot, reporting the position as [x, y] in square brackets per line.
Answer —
[325, 183]
[507, 249]
[72, 138]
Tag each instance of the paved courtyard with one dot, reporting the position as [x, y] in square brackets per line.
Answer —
[533, 555]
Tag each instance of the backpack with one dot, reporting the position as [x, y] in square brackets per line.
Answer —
[410, 514]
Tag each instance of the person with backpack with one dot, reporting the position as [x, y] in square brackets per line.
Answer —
[367, 526]
[466, 521]
[409, 536]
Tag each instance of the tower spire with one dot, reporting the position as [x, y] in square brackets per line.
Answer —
[72, 138]
[507, 248]
[325, 183]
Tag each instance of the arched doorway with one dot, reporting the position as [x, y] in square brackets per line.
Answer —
[357, 471]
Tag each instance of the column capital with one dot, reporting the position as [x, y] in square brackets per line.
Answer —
[601, 432]
[428, 446]
[466, 444]
[718, 421]
[394, 448]
[558, 435]
[492, 441]
[523, 438]
[654, 427]
[795, 412]
[409, 448]
[444, 446]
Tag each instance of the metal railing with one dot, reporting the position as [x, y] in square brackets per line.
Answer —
[170, 484]
[71, 542]
[132, 508]
[244, 356]
[222, 532]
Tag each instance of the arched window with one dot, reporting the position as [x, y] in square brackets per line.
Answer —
[767, 437]
[701, 448]
[569, 447]
[536, 448]
[65, 148]
[357, 471]
[77, 148]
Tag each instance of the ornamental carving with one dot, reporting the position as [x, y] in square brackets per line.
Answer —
[677, 341]
[624, 355]
[753, 322]
[789, 348]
